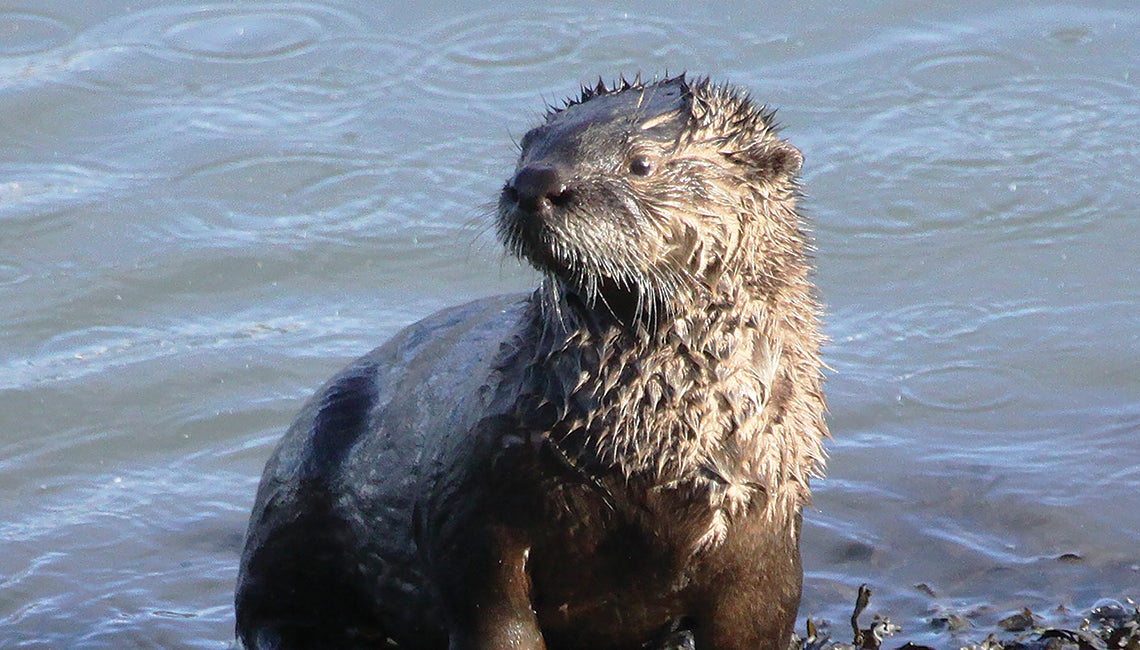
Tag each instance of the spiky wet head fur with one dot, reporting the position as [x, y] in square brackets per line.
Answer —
[676, 340]
[651, 193]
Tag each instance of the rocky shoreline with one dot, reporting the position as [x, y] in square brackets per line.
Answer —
[1110, 625]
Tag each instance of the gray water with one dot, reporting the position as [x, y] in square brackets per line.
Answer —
[207, 209]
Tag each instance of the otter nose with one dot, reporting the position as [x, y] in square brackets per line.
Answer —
[534, 185]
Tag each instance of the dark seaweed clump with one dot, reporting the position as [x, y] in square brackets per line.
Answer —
[1109, 626]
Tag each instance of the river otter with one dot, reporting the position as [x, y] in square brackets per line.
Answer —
[620, 455]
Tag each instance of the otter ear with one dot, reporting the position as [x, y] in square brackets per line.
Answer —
[774, 161]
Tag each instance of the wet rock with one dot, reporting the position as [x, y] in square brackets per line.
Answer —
[1019, 621]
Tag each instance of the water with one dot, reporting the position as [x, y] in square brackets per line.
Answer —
[205, 210]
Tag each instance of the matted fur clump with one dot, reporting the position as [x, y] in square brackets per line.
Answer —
[616, 459]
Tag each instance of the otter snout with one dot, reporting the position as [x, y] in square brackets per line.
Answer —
[537, 187]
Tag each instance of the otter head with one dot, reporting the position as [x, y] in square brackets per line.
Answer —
[654, 195]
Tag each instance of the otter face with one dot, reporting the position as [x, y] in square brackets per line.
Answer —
[645, 191]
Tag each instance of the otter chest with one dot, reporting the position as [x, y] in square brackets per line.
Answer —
[603, 575]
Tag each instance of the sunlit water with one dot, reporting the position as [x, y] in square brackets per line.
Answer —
[206, 209]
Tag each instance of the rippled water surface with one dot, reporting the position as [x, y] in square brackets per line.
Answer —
[206, 209]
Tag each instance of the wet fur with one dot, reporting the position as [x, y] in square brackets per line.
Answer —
[714, 382]
[621, 455]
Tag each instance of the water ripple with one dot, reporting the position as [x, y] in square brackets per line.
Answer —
[504, 54]
[487, 47]
[123, 600]
[955, 71]
[313, 195]
[935, 325]
[93, 350]
[961, 387]
[11, 274]
[35, 191]
[254, 31]
[242, 34]
[331, 196]
[979, 164]
[23, 33]
[937, 321]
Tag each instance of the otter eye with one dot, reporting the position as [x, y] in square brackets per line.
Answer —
[641, 165]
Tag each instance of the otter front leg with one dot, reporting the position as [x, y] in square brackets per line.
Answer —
[746, 620]
[486, 595]
[754, 590]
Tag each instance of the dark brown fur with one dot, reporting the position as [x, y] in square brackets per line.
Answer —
[623, 454]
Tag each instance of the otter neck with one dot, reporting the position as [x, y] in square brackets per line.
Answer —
[690, 402]
[624, 306]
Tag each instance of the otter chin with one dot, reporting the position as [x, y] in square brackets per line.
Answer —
[619, 458]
